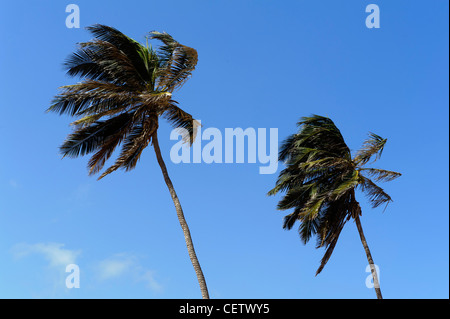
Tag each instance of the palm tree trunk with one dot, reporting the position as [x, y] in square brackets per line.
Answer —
[376, 283]
[181, 219]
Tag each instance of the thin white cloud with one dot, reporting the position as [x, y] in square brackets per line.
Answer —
[149, 278]
[115, 266]
[121, 265]
[13, 183]
[58, 258]
[54, 253]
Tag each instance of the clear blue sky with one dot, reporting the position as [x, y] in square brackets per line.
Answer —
[262, 64]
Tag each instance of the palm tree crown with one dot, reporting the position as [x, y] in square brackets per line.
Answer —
[126, 88]
[320, 180]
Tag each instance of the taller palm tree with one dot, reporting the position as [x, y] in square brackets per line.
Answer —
[320, 180]
[127, 87]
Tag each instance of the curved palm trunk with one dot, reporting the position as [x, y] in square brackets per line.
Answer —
[376, 283]
[182, 220]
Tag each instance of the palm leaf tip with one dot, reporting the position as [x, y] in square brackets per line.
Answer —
[374, 145]
[177, 60]
[182, 121]
[381, 175]
[375, 194]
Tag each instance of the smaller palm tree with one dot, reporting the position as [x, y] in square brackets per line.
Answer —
[320, 180]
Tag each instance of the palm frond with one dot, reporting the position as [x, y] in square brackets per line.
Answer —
[290, 219]
[380, 175]
[88, 139]
[134, 144]
[312, 209]
[297, 196]
[91, 97]
[319, 132]
[178, 61]
[333, 218]
[180, 119]
[376, 195]
[120, 67]
[330, 247]
[97, 161]
[82, 63]
[329, 163]
[286, 148]
[286, 180]
[308, 228]
[350, 182]
[136, 53]
[374, 145]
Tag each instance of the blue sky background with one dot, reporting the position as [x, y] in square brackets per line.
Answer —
[262, 64]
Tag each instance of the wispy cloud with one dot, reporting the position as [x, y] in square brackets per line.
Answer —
[13, 183]
[51, 283]
[115, 266]
[54, 253]
[148, 277]
[127, 265]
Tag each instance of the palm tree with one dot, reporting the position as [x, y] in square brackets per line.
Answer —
[127, 87]
[320, 180]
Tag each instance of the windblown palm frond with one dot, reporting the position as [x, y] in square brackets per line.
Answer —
[376, 195]
[380, 175]
[372, 146]
[177, 62]
[182, 120]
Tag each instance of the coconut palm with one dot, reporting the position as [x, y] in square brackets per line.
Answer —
[126, 88]
[320, 181]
